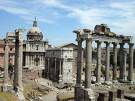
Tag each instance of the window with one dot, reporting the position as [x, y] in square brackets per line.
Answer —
[11, 49]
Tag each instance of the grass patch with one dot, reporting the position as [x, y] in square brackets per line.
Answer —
[7, 97]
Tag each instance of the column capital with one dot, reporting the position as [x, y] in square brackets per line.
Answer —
[114, 43]
[131, 44]
[98, 42]
[55, 58]
[107, 43]
[122, 44]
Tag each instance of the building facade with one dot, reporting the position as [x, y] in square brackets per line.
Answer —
[59, 65]
[34, 48]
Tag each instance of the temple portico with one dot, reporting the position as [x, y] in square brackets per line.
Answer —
[103, 35]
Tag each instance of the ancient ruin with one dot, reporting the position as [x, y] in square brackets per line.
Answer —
[101, 34]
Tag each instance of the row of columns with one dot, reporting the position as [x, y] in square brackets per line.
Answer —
[123, 57]
[17, 82]
[107, 68]
[30, 60]
[55, 68]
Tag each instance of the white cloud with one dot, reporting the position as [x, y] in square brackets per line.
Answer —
[116, 14]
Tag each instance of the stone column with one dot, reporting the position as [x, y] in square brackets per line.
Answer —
[131, 55]
[48, 73]
[107, 62]
[79, 67]
[114, 61]
[124, 65]
[98, 69]
[121, 61]
[18, 62]
[88, 63]
[60, 72]
[6, 58]
[55, 69]
[79, 63]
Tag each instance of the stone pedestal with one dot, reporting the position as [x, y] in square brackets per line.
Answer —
[112, 95]
[89, 95]
[120, 93]
[103, 96]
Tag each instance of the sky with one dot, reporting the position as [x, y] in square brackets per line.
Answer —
[58, 18]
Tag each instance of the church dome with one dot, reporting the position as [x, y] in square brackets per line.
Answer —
[34, 34]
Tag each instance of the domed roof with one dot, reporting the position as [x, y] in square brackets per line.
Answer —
[34, 33]
[34, 30]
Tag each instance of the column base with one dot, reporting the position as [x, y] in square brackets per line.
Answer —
[131, 82]
[115, 81]
[98, 83]
[108, 82]
[89, 95]
[5, 87]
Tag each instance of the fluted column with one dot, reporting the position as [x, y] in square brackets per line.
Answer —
[131, 55]
[107, 62]
[121, 61]
[6, 58]
[88, 63]
[98, 69]
[114, 61]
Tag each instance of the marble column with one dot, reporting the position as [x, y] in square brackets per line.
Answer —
[79, 63]
[60, 71]
[131, 55]
[18, 62]
[98, 69]
[88, 63]
[114, 61]
[107, 68]
[6, 58]
[121, 61]
[124, 65]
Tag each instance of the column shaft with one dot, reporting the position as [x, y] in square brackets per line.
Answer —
[124, 65]
[55, 69]
[6, 58]
[60, 73]
[79, 63]
[18, 63]
[121, 61]
[88, 63]
[107, 62]
[98, 69]
[131, 55]
[114, 61]
[48, 73]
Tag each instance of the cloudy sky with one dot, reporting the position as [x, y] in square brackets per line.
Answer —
[58, 18]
